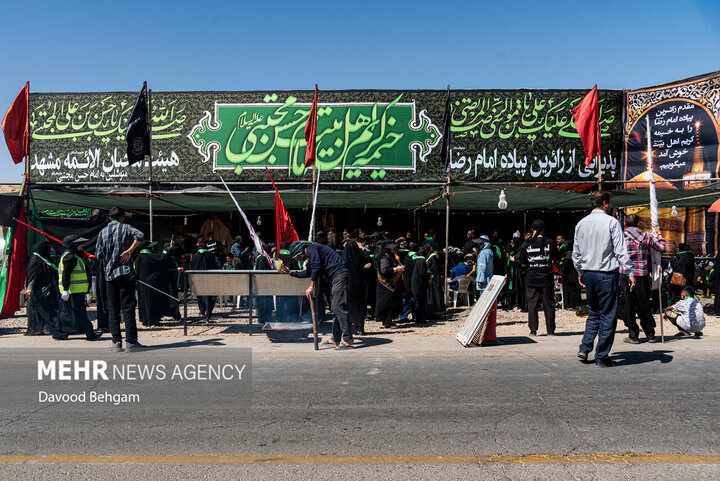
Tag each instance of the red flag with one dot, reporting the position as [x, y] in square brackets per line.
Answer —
[587, 123]
[284, 228]
[15, 125]
[311, 133]
[16, 265]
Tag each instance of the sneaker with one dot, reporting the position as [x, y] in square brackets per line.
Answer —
[134, 347]
[582, 355]
[698, 334]
[533, 333]
[632, 340]
[652, 340]
[117, 347]
[604, 362]
[93, 336]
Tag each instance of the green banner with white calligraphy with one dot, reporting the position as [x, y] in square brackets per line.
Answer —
[364, 136]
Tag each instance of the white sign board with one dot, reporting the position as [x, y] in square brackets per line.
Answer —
[473, 329]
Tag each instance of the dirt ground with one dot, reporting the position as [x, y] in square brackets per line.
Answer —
[228, 321]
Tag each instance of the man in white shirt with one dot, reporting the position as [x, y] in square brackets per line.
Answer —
[598, 255]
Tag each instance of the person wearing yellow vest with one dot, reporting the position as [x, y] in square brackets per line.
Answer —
[73, 283]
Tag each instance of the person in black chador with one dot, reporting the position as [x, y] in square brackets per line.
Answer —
[408, 300]
[204, 260]
[41, 290]
[571, 285]
[513, 275]
[419, 281]
[171, 253]
[357, 262]
[684, 263]
[537, 254]
[436, 298]
[388, 290]
[74, 282]
[155, 270]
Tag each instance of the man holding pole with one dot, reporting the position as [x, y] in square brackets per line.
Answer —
[324, 261]
[637, 301]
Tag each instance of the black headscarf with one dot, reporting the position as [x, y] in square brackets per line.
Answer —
[383, 247]
[38, 269]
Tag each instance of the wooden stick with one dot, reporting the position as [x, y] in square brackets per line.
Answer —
[314, 319]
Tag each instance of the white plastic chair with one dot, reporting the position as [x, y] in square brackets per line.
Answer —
[463, 286]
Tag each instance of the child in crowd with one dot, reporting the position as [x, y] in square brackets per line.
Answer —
[687, 314]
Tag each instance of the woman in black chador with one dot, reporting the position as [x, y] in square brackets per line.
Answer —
[419, 282]
[357, 261]
[42, 290]
[154, 270]
[204, 260]
[436, 302]
[388, 290]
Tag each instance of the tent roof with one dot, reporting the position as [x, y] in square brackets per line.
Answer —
[464, 198]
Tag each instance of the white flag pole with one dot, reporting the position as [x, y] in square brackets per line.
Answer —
[253, 235]
[655, 223]
[315, 195]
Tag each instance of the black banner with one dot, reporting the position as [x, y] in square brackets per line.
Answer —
[683, 130]
[364, 137]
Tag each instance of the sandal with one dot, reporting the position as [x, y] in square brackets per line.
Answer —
[344, 345]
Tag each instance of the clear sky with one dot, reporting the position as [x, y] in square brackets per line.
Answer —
[238, 45]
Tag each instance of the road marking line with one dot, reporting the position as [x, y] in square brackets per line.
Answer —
[634, 458]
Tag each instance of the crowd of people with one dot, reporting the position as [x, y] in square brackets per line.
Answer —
[359, 276]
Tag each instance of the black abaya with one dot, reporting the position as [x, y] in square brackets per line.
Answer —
[355, 259]
[42, 280]
[419, 282]
[204, 261]
[155, 270]
[435, 292]
[388, 293]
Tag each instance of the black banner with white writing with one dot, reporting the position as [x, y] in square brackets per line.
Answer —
[684, 133]
[364, 136]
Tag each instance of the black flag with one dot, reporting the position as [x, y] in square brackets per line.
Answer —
[137, 134]
[10, 207]
[445, 148]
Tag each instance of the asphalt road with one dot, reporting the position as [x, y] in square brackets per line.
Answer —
[422, 408]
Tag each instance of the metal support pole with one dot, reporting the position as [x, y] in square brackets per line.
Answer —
[150, 179]
[185, 299]
[447, 240]
[662, 327]
[250, 303]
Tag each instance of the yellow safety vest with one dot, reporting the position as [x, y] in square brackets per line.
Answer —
[78, 277]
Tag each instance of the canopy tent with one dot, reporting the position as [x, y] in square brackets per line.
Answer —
[463, 198]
